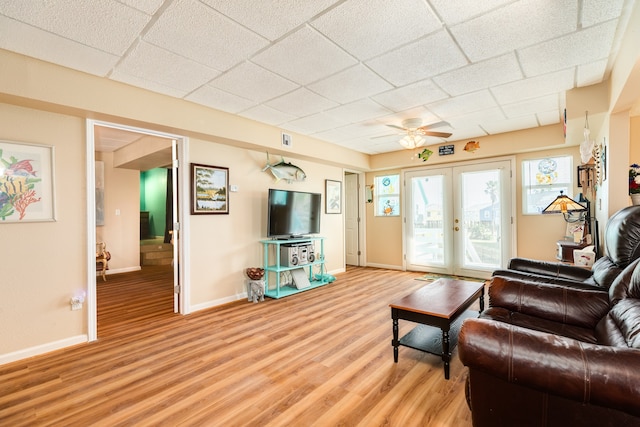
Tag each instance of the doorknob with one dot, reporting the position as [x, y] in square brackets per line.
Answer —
[457, 228]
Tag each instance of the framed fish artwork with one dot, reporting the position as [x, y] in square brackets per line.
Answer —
[209, 189]
[26, 182]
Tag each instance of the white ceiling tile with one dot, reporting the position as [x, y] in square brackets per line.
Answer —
[103, 24]
[219, 99]
[304, 57]
[147, 6]
[365, 34]
[463, 104]
[350, 85]
[150, 63]
[253, 82]
[357, 111]
[548, 117]
[534, 87]
[301, 102]
[31, 41]
[596, 11]
[410, 96]
[191, 29]
[467, 132]
[517, 25]
[145, 83]
[463, 121]
[531, 106]
[510, 125]
[578, 48]
[481, 75]
[313, 124]
[453, 12]
[271, 19]
[420, 60]
[412, 113]
[591, 73]
[264, 114]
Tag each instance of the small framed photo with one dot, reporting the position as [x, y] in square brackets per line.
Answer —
[209, 189]
[26, 183]
[333, 196]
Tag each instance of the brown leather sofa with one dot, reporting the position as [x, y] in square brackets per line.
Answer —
[551, 355]
[622, 243]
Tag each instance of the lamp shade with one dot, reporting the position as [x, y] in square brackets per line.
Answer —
[563, 204]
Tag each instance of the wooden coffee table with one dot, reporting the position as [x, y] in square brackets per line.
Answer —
[440, 304]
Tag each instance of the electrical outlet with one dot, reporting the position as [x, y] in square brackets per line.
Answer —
[76, 303]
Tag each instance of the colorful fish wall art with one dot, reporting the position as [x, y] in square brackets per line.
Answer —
[17, 182]
[285, 171]
[425, 154]
[471, 146]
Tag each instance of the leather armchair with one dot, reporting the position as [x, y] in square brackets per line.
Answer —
[622, 245]
[554, 355]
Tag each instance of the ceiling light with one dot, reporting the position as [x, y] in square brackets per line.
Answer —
[412, 141]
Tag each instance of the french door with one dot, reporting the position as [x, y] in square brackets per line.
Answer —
[458, 219]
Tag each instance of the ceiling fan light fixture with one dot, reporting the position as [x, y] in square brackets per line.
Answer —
[412, 141]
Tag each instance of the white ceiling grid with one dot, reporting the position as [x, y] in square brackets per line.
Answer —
[338, 70]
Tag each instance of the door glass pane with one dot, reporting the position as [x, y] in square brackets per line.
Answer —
[481, 221]
[427, 242]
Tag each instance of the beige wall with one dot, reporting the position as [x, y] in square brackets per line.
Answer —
[43, 263]
[120, 232]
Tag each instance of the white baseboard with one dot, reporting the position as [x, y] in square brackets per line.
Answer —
[41, 349]
[215, 303]
[388, 267]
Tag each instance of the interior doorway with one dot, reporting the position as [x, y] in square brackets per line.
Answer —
[353, 218]
[131, 152]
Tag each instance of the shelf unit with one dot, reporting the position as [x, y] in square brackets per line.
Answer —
[273, 265]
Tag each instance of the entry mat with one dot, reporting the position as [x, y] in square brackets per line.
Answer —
[429, 277]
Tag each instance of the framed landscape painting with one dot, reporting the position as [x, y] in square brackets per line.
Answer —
[209, 185]
[26, 182]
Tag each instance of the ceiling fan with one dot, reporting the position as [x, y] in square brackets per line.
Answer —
[415, 132]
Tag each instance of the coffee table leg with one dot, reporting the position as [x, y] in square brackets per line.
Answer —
[446, 357]
[395, 342]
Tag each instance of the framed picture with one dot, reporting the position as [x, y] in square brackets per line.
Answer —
[209, 189]
[333, 196]
[26, 182]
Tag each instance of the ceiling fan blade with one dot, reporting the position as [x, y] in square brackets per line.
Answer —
[434, 125]
[396, 127]
[438, 134]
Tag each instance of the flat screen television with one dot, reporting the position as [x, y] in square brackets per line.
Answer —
[293, 214]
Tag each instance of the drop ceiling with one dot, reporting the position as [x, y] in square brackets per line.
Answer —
[339, 71]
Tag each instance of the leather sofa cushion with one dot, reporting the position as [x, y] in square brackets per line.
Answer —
[578, 307]
[535, 323]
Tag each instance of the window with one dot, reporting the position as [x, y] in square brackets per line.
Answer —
[542, 181]
[387, 195]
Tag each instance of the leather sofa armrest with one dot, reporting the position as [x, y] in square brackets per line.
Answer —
[553, 269]
[579, 307]
[586, 373]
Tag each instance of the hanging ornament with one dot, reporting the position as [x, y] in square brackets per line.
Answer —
[587, 146]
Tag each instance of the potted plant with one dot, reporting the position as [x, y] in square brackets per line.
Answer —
[634, 183]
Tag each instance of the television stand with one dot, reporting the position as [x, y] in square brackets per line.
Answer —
[292, 254]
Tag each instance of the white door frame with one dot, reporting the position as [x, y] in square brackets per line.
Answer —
[183, 210]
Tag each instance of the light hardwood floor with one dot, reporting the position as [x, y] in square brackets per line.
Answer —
[319, 358]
